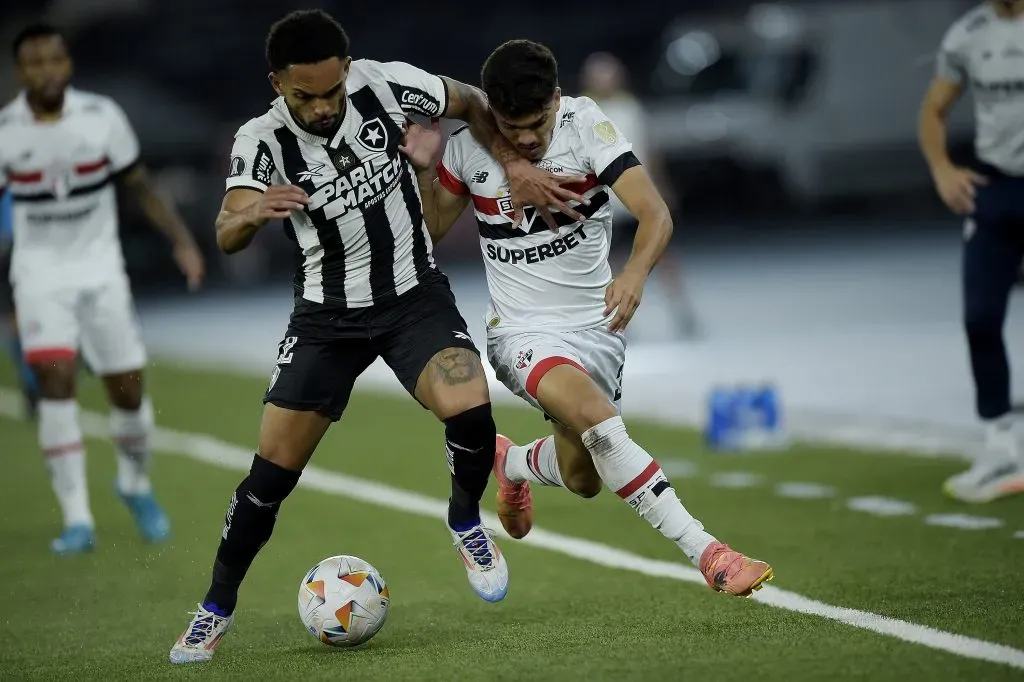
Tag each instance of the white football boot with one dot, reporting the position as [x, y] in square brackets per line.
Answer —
[485, 564]
[997, 473]
[201, 637]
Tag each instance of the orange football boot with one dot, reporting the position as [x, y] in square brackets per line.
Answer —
[514, 502]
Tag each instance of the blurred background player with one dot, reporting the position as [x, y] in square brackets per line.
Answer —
[26, 377]
[61, 150]
[984, 52]
[605, 80]
[555, 336]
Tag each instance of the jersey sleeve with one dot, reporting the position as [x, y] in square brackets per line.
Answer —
[417, 91]
[449, 168]
[122, 144]
[605, 149]
[252, 163]
[952, 60]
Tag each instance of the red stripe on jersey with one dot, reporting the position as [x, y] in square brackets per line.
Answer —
[86, 168]
[450, 182]
[583, 187]
[25, 177]
[545, 366]
[626, 491]
[486, 205]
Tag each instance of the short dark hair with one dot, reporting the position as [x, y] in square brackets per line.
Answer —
[31, 32]
[305, 37]
[520, 78]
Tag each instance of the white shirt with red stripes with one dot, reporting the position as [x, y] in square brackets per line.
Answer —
[538, 278]
[60, 174]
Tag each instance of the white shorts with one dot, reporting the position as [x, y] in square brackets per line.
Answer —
[100, 319]
[521, 359]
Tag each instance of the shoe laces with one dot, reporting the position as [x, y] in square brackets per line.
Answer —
[476, 543]
[202, 626]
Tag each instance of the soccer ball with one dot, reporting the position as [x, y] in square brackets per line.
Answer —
[343, 601]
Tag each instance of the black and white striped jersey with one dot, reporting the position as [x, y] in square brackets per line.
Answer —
[362, 235]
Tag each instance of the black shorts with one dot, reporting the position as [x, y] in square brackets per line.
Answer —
[326, 348]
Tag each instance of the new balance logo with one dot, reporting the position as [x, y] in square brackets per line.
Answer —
[479, 176]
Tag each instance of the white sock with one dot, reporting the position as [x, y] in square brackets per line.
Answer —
[131, 431]
[535, 462]
[626, 468]
[60, 438]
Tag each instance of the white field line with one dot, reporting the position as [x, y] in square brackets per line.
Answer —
[218, 453]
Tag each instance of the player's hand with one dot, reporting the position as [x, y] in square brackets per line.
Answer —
[623, 296]
[532, 186]
[957, 187]
[278, 202]
[190, 261]
[421, 144]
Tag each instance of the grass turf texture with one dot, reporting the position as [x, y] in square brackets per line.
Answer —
[115, 613]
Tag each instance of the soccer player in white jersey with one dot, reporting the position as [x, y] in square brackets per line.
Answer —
[61, 150]
[557, 315]
[983, 52]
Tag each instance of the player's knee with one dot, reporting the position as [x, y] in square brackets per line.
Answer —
[269, 482]
[591, 411]
[583, 483]
[472, 429]
[981, 324]
[125, 390]
[55, 379]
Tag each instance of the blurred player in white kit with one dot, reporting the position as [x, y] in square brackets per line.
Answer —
[61, 151]
[557, 315]
[983, 54]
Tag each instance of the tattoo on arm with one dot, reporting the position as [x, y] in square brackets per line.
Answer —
[454, 366]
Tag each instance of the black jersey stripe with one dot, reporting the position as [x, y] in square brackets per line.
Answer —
[378, 226]
[332, 264]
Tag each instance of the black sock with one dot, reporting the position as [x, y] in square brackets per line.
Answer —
[247, 527]
[469, 439]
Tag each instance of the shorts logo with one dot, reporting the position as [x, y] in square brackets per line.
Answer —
[524, 359]
[284, 351]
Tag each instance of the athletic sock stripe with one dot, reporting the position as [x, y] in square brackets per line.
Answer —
[68, 449]
[533, 461]
[646, 475]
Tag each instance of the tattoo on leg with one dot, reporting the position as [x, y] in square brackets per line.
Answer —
[455, 366]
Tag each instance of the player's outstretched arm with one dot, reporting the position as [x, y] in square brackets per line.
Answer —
[639, 195]
[244, 211]
[165, 217]
[528, 185]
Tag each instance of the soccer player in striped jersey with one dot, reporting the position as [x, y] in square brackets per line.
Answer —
[983, 53]
[557, 315]
[61, 151]
[326, 159]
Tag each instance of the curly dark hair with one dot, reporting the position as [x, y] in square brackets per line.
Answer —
[520, 78]
[305, 37]
[31, 32]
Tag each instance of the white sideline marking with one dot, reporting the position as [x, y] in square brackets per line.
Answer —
[963, 521]
[881, 506]
[805, 491]
[228, 456]
[735, 479]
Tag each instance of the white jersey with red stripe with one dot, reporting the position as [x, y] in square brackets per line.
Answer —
[539, 279]
[59, 174]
